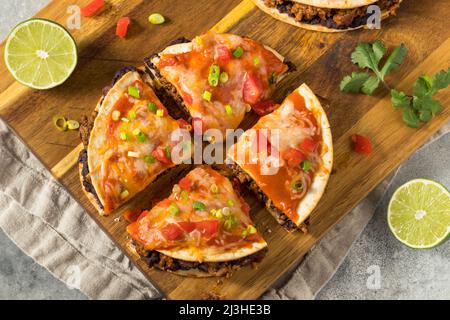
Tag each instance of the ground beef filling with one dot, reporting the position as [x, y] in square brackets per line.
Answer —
[157, 259]
[247, 181]
[330, 18]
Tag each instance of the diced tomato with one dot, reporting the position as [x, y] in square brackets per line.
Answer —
[167, 61]
[122, 27]
[293, 157]
[197, 124]
[308, 145]
[207, 228]
[187, 226]
[132, 215]
[252, 89]
[187, 98]
[185, 183]
[223, 55]
[171, 232]
[264, 107]
[361, 144]
[160, 154]
[92, 8]
[182, 123]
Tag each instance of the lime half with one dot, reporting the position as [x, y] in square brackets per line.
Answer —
[40, 54]
[419, 213]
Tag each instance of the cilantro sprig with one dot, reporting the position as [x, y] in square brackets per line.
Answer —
[416, 108]
[368, 56]
[421, 106]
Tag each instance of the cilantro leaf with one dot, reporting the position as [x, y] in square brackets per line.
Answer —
[370, 85]
[410, 118]
[422, 87]
[400, 99]
[441, 80]
[364, 56]
[427, 103]
[395, 60]
[379, 50]
[354, 82]
[425, 115]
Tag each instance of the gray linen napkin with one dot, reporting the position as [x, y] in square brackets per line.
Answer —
[38, 214]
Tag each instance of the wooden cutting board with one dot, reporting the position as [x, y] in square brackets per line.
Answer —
[322, 60]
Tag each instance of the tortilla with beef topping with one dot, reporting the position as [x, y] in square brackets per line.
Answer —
[217, 78]
[326, 15]
[286, 158]
[129, 143]
[203, 228]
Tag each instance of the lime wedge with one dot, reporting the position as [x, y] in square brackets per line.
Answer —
[419, 213]
[40, 54]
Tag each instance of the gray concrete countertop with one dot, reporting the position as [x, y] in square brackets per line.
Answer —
[376, 267]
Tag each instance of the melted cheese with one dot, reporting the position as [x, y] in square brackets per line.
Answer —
[293, 123]
[148, 229]
[118, 166]
[188, 71]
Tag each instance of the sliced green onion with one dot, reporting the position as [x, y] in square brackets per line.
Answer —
[73, 124]
[214, 74]
[132, 114]
[184, 195]
[272, 78]
[124, 194]
[123, 136]
[306, 165]
[141, 137]
[238, 52]
[223, 77]
[115, 115]
[228, 109]
[173, 209]
[226, 211]
[136, 131]
[156, 18]
[60, 123]
[298, 185]
[197, 205]
[134, 92]
[214, 188]
[256, 61]
[244, 233]
[167, 151]
[229, 223]
[207, 95]
[160, 113]
[176, 188]
[152, 107]
[230, 202]
[149, 159]
[251, 229]
[134, 154]
[125, 119]
[198, 40]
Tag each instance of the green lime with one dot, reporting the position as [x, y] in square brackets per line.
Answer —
[419, 213]
[40, 54]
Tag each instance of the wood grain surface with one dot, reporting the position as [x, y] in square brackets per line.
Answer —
[322, 60]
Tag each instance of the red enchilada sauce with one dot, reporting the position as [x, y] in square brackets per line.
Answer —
[250, 71]
[300, 146]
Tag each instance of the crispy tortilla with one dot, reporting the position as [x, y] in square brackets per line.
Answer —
[343, 4]
[159, 129]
